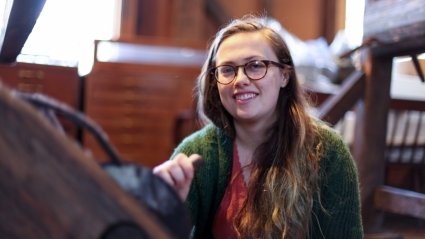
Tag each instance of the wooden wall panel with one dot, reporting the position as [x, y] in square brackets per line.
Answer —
[189, 19]
[304, 18]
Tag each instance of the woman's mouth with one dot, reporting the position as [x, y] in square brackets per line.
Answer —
[245, 96]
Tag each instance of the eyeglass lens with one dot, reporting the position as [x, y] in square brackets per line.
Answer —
[254, 70]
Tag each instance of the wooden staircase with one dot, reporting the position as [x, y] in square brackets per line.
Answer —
[368, 92]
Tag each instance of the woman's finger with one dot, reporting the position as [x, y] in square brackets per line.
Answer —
[178, 172]
[187, 165]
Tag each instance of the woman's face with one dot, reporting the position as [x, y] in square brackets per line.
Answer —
[250, 101]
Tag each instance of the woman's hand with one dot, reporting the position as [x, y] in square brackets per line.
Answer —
[179, 172]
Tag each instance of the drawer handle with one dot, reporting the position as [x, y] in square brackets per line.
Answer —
[29, 87]
[30, 74]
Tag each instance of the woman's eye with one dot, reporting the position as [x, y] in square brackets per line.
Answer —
[226, 70]
[256, 65]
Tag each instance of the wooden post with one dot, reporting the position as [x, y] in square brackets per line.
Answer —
[369, 137]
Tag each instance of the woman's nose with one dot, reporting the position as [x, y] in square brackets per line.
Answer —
[241, 77]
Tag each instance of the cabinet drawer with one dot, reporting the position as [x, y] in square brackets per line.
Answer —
[60, 83]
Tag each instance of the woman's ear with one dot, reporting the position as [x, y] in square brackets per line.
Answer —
[285, 79]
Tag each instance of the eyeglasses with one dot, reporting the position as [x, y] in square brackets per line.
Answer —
[254, 70]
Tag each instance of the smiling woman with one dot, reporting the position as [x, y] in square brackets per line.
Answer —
[270, 169]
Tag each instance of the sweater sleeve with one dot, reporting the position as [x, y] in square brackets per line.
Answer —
[210, 179]
[338, 209]
[190, 145]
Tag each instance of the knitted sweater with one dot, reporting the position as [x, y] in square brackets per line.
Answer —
[338, 185]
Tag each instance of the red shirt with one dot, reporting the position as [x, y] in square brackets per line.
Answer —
[231, 203]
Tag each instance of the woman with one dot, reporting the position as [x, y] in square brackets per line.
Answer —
[270, 170]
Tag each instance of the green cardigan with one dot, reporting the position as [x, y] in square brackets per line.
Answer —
[339, 184]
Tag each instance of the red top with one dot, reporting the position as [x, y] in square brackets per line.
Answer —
[232, 201]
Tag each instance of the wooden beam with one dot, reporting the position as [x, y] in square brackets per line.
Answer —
[329, 12]
[370, 131]
[397, 25]
[22, 18]
[394, 18]
[400, 201]
[217, 12]
[335, 106]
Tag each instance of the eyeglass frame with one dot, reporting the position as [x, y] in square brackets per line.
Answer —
[213, 70]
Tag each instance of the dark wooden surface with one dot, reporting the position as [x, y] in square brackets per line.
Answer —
[49, 188]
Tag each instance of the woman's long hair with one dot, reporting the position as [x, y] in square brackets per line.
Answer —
[284, 172]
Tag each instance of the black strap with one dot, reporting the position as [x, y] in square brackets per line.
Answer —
[47, 105]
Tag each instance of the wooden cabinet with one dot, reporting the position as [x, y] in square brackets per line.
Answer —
[58, 82]
[137, 104]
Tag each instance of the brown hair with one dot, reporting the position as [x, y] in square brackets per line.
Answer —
[284, 174]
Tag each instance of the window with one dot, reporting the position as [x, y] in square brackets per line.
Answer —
[5, 6]
[65, 32]
[354, 21]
